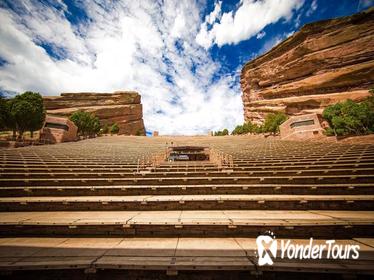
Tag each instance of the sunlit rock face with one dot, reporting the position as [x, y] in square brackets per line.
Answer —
[121, 107]
[323, 63]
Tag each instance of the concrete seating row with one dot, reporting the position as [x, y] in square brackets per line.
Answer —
[173, 255]
[188, 202]
[293, 166]
[121, 190]
[275, 179]
[190, 173]
[248, 223]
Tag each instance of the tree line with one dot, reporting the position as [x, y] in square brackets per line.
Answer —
[271, 125]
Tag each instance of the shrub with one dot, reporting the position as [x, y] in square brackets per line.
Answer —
[105, 129]
[114, 129]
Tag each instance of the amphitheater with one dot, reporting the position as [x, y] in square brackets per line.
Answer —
[97, 209]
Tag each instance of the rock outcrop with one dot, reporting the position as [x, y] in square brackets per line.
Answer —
[323, 63]
[121, 107]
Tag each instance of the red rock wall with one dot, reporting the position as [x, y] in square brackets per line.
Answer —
[323, 63]
[121, 107]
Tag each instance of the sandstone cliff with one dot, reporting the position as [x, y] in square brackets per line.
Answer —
[323, 63]
[121, 107]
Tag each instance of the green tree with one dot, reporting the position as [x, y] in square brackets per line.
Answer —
[87, 123]
[10, 122]
[273, 121]
[247, 127]
[4, 114]
[114, 129]
[37, 117]
[221, 132]
[94, 126]
[25, 112]
[81, 120]
[237, 130]
[350, 118]
[21, 111]
[259, 129]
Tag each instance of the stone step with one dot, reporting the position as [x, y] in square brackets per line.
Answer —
[77, 168]
[123, 190]
[169, 254]
[189, 174]
[132, 163]
[289, 158]
[214, 223]
[276, 179]
[189, 202]
[172, 166]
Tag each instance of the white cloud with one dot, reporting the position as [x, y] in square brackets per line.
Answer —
[260, 35]
[297, 20]
[248, 20]
[313, 7]
[204, 38]
[215, 14]
[134, 45]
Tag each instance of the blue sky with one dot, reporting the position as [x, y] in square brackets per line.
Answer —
[184, 57]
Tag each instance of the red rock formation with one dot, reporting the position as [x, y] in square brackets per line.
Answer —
[323, 63]
[121, 107]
